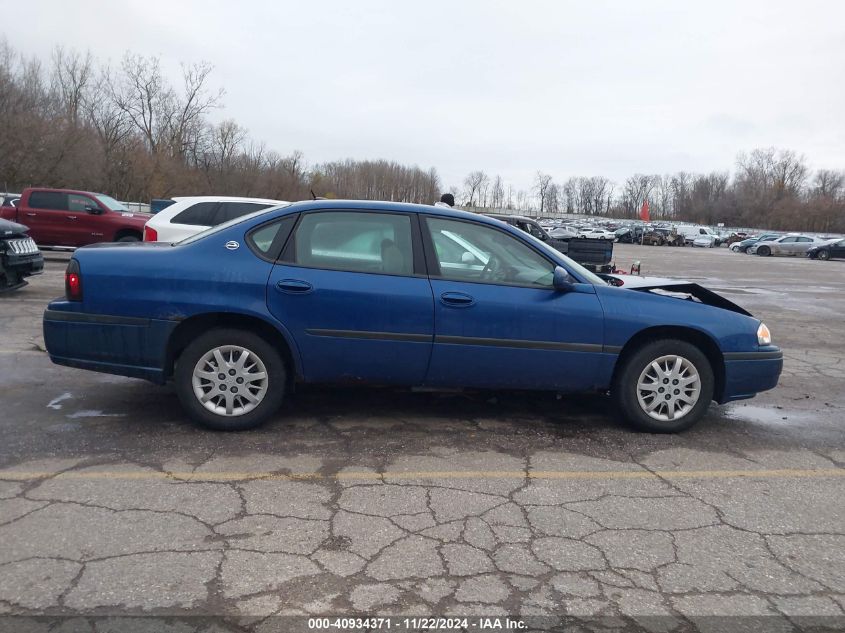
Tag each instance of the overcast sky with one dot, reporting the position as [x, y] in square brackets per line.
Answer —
[570, 88]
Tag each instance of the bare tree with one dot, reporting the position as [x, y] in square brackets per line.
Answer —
[542, 185]
[473, 184]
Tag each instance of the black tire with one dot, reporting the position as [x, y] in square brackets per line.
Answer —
[735, 249]
[823, 255]
[269, 356]
[129, 238]
[764, 251]
[624, 388]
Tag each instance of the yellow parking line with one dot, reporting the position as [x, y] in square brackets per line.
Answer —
[19, 475]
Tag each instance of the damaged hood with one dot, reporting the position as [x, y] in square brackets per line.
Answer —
[686, 291]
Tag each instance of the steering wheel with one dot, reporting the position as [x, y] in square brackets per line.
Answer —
[492, 269]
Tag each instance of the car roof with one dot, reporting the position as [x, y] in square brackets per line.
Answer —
[224, 199]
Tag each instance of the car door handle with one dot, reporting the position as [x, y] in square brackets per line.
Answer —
[31, 215]
[295, 286]
[71, 217]
[456, 300]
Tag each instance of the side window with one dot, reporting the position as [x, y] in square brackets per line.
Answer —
[268, 240]
[79, 203]
[355, 242]
[789, 240]
[466, 251]
[230, 210]
[48, 200]
[804, 239]
[199, 214]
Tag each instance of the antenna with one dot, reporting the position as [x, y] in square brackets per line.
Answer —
[313, 195]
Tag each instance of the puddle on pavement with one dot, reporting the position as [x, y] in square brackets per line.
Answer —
[765, 415]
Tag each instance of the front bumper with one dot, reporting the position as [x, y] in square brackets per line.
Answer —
[749, 373]
[126, 346]
[17, 267]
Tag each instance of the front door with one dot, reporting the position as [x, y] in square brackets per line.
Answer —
[351, 288]
[498, 321]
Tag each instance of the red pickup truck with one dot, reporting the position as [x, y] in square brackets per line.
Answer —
[64, 217]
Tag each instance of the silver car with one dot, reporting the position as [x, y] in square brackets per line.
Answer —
[788, 245]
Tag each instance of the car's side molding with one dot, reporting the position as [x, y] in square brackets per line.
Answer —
[764, 355]
[465, 340]
[82, 317]
[370, 335]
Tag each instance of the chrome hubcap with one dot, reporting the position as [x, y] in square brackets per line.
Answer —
[230, 380]
[668, 388]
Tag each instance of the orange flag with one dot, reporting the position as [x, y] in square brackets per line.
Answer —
[644, 211]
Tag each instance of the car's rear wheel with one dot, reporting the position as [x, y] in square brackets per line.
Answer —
[735, 248]
[823, 255]
[230, 380]
[764, 251]
[129, 238]
[664, 387]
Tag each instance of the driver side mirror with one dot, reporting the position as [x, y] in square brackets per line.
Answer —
[562, 281]
[93, 210]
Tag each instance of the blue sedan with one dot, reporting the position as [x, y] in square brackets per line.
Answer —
[389, 293]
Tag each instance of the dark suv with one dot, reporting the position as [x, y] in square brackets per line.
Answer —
[19, 256]
[532, 228]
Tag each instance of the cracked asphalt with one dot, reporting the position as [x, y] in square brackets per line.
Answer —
[358, 502]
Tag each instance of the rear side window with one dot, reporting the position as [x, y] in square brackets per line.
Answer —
[230, 210]
[355, 242]
[48, 200]
[268, 240]
[199, 214]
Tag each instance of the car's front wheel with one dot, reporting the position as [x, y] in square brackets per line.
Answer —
[230, 380]
[764, 251]
[664, 387]
[735, 248]
[823, 255]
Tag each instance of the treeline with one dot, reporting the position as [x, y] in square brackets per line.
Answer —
[769, 188]
[126, 131]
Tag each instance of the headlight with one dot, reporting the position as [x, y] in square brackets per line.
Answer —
[764, 337]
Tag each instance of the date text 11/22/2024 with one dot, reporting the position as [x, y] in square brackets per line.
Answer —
[416, 623]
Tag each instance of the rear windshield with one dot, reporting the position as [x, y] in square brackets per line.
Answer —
[220, 227]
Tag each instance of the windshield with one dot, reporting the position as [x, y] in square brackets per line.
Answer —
[111, 203]
[220, 227]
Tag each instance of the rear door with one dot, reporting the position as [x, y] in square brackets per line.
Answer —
[838, 249]
[352, 291]
[498, 321]
[45, 216]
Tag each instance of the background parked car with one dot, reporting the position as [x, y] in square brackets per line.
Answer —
[692, 233]
[598, 234]
[19, 256]
[562, 233]
[828, 250]
[705, 241]
[188, 216]
[744, 245]
[788, 245]
[66, 217]
[629, 235]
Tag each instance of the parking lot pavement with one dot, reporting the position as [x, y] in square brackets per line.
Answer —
[385, 502]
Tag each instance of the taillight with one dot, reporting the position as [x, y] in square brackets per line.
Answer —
[150, 235]
[73, 282]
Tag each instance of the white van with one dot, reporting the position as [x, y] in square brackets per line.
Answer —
[692, 233]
